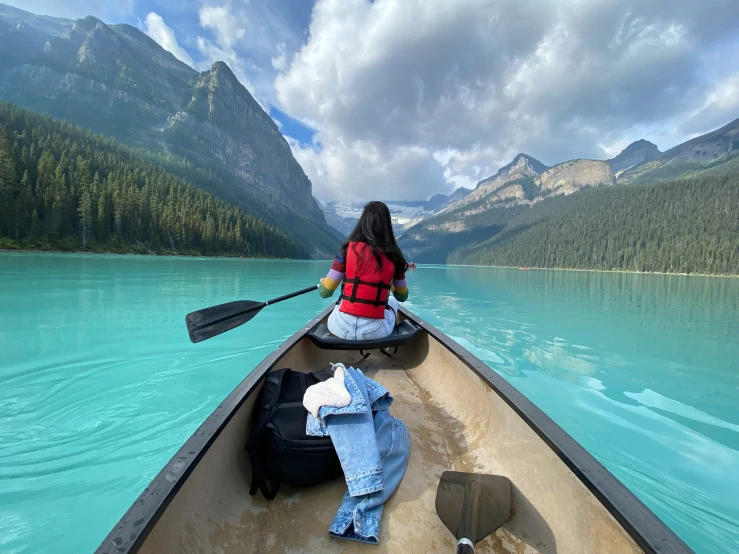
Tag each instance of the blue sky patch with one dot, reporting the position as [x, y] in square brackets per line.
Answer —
[292, 127]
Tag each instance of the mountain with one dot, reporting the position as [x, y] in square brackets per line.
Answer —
[440, 201]
[563, 217]
[710, 150]
[222, 120]
[533, 163]
[681, 226]
[115, 80]
[501, 186]
[343, 216]
[707, 148]
[634, 154]
[65, 188]
[569, 177]
[515, 187]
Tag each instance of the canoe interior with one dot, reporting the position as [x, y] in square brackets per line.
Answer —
[456, 422]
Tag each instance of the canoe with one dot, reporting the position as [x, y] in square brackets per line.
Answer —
[461, 416]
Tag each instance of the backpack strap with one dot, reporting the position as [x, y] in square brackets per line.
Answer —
[303, 383]
[272, 387]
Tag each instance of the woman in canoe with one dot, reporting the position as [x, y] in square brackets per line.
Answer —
[371, 266]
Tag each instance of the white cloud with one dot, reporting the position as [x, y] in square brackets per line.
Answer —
[720, 105]
[158, 30]
[244, 35]
[224, 23]
[279, 61]
[612, 149]
[361, 170]
[444, 92]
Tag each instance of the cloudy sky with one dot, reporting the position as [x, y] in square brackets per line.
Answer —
[401, 99]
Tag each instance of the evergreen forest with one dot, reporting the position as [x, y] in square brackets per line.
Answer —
[62, 187]
[688, 225]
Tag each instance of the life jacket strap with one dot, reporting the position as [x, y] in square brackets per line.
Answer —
[356, 281]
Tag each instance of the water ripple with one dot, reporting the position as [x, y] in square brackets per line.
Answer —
[100, 384]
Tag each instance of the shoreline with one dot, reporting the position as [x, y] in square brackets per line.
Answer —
[530, 268]
[630, 272]
[44, 251]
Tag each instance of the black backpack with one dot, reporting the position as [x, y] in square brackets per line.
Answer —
[279, 450]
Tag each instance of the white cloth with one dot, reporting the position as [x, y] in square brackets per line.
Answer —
[331, 392]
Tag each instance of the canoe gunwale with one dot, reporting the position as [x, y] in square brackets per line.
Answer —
[643, 525]
[645, 528]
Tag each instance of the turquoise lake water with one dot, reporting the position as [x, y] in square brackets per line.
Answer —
[99, 384]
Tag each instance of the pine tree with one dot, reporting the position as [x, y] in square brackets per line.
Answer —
[24, 206]
[35, 228]
[58, 200]
[84, 208]
[103, 217]
[8, 185]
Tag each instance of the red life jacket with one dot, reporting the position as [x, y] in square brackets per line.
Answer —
[366, 290]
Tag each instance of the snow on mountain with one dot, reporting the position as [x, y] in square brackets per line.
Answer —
[343, 216]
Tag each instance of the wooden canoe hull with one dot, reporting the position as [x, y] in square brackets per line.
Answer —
[461, 416]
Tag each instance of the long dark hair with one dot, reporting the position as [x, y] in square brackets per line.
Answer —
[375, 228]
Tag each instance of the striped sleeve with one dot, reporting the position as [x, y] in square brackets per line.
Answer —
[334, 277]
[400, 287]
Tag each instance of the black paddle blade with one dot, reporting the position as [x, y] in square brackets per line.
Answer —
[473, 505]
[208, 323]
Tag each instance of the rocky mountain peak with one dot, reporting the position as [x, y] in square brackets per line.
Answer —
[635, 153]
[522, 165]
[440, 201]
[530, 161]
[220, 98]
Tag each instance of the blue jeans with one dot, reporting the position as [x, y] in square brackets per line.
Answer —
[373, 447]
[351, 327]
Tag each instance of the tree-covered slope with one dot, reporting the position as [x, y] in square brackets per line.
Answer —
[117, 81]
[64, 187]
[683, 226]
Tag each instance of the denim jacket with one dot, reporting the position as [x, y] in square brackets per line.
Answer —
[373, 447]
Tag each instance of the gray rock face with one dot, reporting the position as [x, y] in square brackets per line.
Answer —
[237, 131]
[706, 148]
[117, 81]
[635, 153]
[569, 177]
[494, 189]
[519, 184]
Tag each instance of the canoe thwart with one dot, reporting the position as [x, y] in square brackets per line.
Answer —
[403, 334]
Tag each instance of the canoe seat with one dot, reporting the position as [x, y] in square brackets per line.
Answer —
[403, 333]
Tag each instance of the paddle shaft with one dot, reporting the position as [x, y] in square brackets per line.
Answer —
[291, 295]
